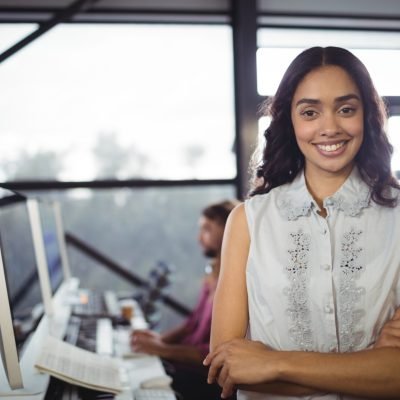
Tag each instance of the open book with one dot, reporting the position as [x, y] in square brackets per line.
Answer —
[79, 367]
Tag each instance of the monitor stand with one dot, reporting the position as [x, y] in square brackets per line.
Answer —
[34, 382]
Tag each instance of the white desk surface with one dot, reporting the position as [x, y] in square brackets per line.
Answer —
[133, 370]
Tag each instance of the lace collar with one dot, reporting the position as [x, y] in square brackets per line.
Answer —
[294, 199]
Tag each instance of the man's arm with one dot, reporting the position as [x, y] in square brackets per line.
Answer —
[175, 335]
[144, 342]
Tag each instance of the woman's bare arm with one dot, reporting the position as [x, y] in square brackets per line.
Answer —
[230, 315]
[373, 373]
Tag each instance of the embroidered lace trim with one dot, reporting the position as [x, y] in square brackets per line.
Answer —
[350, 316]
[351, 208]
[298, 309]
[291, 212]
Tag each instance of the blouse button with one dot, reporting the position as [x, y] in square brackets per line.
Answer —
[326, 267]
[328, 309]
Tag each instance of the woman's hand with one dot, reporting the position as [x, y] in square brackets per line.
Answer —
[241, 361]
[390, 333]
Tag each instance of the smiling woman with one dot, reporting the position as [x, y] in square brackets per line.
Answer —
[302, 271]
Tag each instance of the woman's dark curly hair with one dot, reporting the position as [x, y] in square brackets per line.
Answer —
[282, 159]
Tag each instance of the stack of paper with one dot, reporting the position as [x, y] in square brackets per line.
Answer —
[79, 367]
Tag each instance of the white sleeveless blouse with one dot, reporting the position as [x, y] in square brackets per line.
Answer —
[320, 284]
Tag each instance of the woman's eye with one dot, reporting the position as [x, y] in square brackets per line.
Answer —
[347, 110]
[309, 113]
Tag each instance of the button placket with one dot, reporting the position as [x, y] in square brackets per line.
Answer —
[327, 308]
[324, 227]
[324, 269]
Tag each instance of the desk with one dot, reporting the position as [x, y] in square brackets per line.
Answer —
[133, 370]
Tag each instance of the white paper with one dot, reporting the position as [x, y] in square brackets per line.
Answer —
[80, 367]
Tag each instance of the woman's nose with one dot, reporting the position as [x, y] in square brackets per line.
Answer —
[329, 125]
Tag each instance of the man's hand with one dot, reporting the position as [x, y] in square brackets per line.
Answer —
[147, 342]
[390, 333]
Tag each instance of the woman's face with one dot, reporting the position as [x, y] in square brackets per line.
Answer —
[328, 120]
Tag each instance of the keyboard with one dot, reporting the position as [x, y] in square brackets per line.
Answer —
[104, 337]
[97, 304]
[93, 334]
[60, 390]
[154, 394]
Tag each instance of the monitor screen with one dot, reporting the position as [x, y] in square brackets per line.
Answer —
[19, 282]
[21, 272]
[51, 245]
[8, 342]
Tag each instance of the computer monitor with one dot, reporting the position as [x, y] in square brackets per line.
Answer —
[8, 343]
[51, 244]
[40, 254]
[19, 286]
[19, 259]
[61, 241]
[24, 290]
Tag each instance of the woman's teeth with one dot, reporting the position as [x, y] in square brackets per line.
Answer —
[330, 147]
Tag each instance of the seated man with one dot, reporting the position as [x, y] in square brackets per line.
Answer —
[186, 346]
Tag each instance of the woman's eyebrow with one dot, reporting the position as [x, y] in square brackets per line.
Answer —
[337, 99]
[308, 101]
[347, 97]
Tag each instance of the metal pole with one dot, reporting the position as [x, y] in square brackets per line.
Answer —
[61, 16]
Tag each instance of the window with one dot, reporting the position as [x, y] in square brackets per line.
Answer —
[12, 33]
[394, 137]
[137, 228]
[121, 101]
[278, 47]
[98, 101]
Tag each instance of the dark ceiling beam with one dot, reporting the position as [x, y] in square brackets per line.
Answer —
[60, 16]
[118, 15]
[111, 184]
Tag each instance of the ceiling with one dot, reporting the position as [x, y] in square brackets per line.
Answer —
[382, 9]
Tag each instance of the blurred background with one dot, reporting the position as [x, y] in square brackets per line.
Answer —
[135, 115]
